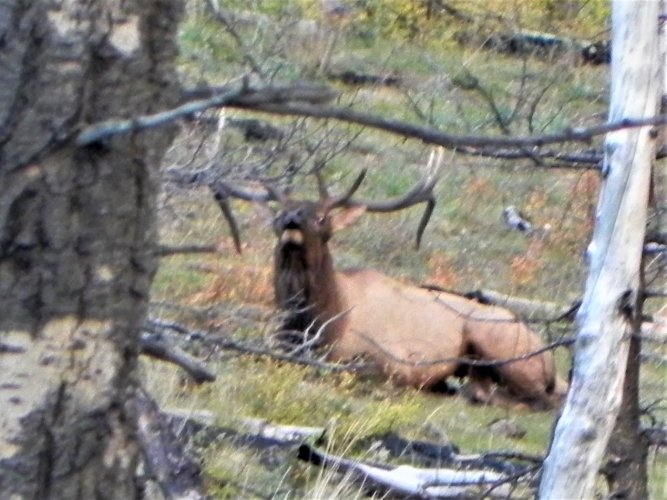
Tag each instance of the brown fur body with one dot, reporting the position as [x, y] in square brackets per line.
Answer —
[414, 336]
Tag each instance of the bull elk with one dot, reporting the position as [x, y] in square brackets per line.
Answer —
[412, 335]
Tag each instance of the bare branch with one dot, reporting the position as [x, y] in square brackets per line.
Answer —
[586, 159]
[227, 343]
[238, 97]
[154, 345]
[222, 16]
[467, 81]
[299, 360]
[98, 131]
[407, 480]
[452, 141]
[565, 341]
[166, 251]
[307, 100]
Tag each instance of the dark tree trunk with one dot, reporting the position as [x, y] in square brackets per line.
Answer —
[627, 451]
[77, 237]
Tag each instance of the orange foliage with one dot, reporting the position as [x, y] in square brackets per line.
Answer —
[578, 215]
[441, 273]
[477, 186]
[237, 282]
[525, 267]
[537, 200]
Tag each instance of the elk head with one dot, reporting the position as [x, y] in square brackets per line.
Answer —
[304, 272]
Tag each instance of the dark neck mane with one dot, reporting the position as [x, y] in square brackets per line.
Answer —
[307, 294]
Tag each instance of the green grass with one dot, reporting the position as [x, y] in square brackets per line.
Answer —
[465, 246]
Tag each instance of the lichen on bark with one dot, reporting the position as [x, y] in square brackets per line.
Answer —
[77, 236]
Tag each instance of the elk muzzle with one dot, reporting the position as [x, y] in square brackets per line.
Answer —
[289, 227]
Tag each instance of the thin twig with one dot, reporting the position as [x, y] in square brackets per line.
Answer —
[222, 16]
[227, 343]
[510, 479]
[469, 361]
[166, 251]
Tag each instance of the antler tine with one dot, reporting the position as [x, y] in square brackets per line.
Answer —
[321, 185]
[345, 198]
[435, 162]
[422, 192]
[274, 194]
[223, 191]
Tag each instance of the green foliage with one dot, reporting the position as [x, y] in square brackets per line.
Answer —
[394, 19]
[588, 18]
[176, 280]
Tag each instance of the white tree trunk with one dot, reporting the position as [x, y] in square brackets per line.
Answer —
[609, 307]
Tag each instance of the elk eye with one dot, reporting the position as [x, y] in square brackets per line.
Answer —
[321, 220]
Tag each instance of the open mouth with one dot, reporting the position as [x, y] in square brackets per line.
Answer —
[293, 236]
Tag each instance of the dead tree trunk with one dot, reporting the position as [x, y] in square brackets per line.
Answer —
[77, 237]
[626, 468]
[611, 308]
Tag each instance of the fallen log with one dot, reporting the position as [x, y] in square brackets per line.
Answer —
[437, 455]
[548, 45]
[285, 433]
[445, 473]
[256, 434]
[409, 480]
[528, 309]
[356, 78]
[166, 462]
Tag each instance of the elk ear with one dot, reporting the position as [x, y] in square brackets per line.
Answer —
[344, 218]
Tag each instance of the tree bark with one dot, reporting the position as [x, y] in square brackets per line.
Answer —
[627, 452]
[611, 307]
[77, 237]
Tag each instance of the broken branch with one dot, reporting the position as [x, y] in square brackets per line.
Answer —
[154, 345]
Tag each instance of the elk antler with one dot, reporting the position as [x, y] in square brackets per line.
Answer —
[222, 192]
[419, 193]
[343, 199]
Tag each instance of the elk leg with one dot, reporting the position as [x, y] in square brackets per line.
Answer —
[442, 387]
[484, 392]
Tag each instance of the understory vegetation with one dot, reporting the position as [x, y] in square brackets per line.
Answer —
[443, 77]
